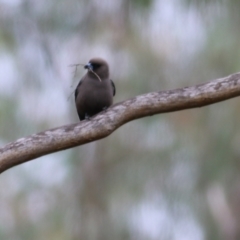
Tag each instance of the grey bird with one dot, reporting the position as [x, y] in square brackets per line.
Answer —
[94, 93]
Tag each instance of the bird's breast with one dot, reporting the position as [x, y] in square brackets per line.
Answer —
[94, 95]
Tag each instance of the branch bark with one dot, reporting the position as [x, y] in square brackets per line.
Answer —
[103, 124]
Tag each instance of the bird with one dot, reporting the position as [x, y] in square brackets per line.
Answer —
[95, 91]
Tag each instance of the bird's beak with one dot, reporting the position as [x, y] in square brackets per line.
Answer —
[88, 66]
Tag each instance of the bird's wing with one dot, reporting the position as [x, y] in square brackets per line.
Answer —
[113, 86]
[77, 88]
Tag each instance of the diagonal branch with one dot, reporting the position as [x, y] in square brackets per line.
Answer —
[53, 140]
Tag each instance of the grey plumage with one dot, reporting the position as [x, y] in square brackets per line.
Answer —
[95, 90]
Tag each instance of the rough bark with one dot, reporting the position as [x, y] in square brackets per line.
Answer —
[103, 124]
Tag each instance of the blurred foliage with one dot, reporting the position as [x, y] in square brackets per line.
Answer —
[145, 4]
[170, 176]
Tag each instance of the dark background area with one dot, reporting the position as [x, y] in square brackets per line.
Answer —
[172, 176]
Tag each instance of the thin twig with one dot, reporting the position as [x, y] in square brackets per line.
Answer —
[76, 65]
[75, 73]
[95, 75]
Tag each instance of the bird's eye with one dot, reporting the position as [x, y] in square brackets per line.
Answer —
[95, 65]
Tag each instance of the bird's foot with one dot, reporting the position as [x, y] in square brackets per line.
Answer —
[87, 117]
[105, 109]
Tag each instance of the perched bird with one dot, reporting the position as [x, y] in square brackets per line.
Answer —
[95, 90]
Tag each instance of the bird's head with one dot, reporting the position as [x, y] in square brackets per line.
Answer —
[97, 67]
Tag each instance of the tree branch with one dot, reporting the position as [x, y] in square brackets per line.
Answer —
[103, 124]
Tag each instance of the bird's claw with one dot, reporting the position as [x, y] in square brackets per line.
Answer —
[87, 117]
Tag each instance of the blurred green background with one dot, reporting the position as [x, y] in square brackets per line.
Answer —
[172, 176]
